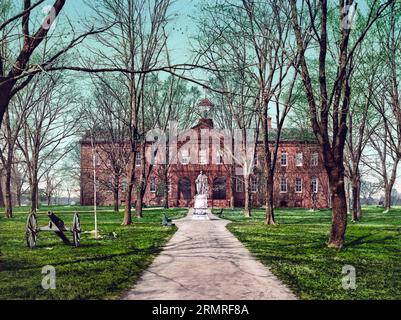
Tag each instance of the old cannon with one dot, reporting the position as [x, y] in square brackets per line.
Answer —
[57, 226]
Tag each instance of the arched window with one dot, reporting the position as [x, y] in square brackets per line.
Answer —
[184, 189]
[219, 189]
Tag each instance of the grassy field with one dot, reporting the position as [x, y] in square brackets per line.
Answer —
[296, 252]
[99, 269]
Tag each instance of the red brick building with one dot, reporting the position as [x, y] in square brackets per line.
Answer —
[300, 178]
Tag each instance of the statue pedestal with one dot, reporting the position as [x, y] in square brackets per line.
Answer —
[200, 208]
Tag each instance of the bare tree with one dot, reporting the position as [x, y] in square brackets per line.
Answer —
[330, 99]
[107, 114]
[14, 120]
[50, 123]
[136, 43]
[361, 121]
[224, 46]
[388, 32]
[53, 182]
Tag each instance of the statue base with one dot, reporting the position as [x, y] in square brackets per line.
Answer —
[200, 208]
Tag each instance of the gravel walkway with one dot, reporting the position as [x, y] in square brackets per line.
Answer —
[204, 261]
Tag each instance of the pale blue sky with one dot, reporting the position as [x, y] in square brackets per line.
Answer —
[180, 28]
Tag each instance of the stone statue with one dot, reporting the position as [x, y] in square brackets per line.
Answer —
[201, 184]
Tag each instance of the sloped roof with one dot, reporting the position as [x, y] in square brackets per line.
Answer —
[206, 103]
[292, 135]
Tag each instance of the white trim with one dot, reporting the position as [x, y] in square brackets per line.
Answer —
[301, 159]
[281, 185]
[315, 159]
[238, 183]
[286, 159]
[302, 185]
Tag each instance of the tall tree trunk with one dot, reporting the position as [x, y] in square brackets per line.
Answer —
[387, 197]
[116, 193]
[34, 194]
[247, 186]
[232, 199]
[270, 218]
[356, 199]
[139, 202]
[166, 191]
[130, 187]
[142, 185]
[339, 208]
[8, 202]
[19, 198]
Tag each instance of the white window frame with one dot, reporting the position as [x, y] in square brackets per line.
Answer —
[110, 183]
[239, 185]
[219, 158]
[315, 159]
[299, 159]
[315, 185]
[124, 185]
[283, 179]
[254, 184]
[284, 155]
[298, 190]
[185, 157]
[138, 159]
[203, 157]
[153, 185]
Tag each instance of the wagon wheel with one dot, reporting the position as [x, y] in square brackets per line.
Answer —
[76, 230]
[31, 231]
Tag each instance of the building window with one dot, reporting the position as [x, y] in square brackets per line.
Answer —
[239, 185]
[255, 161]
[97, 159]
[153, 186]
[203, 157]
[298, 185]
[185, 157]
[284, 185]
[110, 183]
[138, 159]
[97, 185]
[219, 188]
[299, 159]
[219, 158]
[254, 184]
[124, 185]
[284, 159]
[315, 185]
[315, 160]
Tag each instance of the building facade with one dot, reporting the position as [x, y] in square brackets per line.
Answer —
[300, 178]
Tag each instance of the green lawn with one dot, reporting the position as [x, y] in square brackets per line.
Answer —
[296, 252]
[99, 269]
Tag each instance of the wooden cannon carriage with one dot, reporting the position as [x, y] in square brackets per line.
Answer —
[57, 226]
